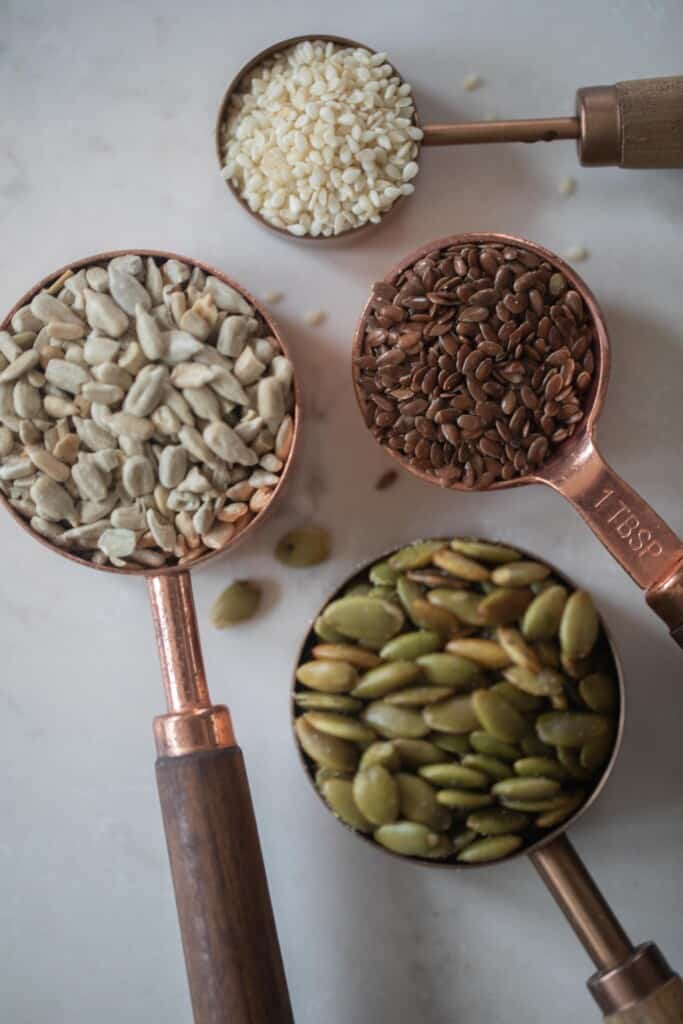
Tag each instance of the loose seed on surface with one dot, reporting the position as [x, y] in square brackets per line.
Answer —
[238, 602]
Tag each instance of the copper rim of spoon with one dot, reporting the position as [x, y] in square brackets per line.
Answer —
[167, 570]
[633, 533]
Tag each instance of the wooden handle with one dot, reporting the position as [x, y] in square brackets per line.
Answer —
[229, 937]
[651, 119]
[664, 1006]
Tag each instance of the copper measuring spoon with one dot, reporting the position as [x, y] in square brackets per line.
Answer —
[636, 124]
[630, 529]
[232, 955]
[632, 984]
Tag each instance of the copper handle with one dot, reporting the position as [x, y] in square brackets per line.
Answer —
[632, 984]
[543, 129]
[630, 529]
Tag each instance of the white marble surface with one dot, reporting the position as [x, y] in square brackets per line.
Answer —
[107, 122]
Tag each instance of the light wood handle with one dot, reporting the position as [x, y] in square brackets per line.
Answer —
[664, 1006]
[651, 119]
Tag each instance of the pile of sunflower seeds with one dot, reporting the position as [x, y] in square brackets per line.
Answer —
[456, 701]
[146, 412]
[475, 363]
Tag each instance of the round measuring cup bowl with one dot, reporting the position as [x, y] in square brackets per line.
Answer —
[232, 954]
[236, 86]
[633, 533]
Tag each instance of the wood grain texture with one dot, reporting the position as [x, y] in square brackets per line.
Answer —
[651, 115]
[665, 1006]
[232, 955]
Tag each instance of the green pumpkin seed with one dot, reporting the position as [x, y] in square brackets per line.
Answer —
[492, 766]
[358, 590]
[463, 839]
[571, 728]
[455, 715]
[327, 751]
[338, 794]
[407, 838]
[386, 593]
[327, 676]
[532, 746]
[519, 574]
[460, 566]
[524, 702]
[410, 646]
[596, 753]
[577, 668]
[344, 726]
[482, 851]
[444, 848]
[599, 692]
[237, 603]
[486, 653]
[302, 548]
[416, 556]
[450, 742]
[579, 626]
[395, 723]
[526, 788]
[518, 650]
[418, 803]
[484, 743]
[497, 821]
[448, 669]
[413, 753]
[370, 621]
[547, 767]
[494, 554]
[543, 616]
[504, 605]
[346, 652]
[552, 803]
[435, 578]
[454, 775]
[463, 604]
[419, 696]
[383, 753]
[383, 575]
[570, 757]
[326, 633]
[408, 592]
[548, 653]
[430, 615]
[545, 682]
[323, 774]
[464, 799]
[326, 702]
[497, 716]
[548, 819]
[386, 678]
[376, 795]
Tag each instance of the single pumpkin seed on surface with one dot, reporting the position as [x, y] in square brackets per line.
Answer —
[599, 692]
[381, 752]
[464, 799]
[543, 616]
[338, 794]
[419, 696]
[482, 551]
[416, 556]
[343, 726]
[459, 565]
[482, 851]
[376, 794]
[407, 838]
[571, 728]
[454, 776]
[410, 646]
[504, 605]
[414, 753]
[497, 716]
[456, 715]
[395, 723]
[418, 803]
[238, 602]
[497, 821]
[312, 701]
[349, 653]
[537, 788]
[303, 547]
[519, 574]
[579, 626]
[444, 669]
[327, 676]
[370, 621]
[327, 751]
[384, 679]
[492, 766]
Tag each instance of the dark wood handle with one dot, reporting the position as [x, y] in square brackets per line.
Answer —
[651, 119]
[665, 1006]
[231, 948]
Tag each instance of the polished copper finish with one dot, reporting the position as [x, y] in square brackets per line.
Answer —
[192, 722]
[600, 129]
[630, 529]
[628, 983]
[541, 129]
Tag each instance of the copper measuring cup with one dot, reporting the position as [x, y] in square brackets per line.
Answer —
[630, 529]
[632, 984]
[233, 959]
[630, 124]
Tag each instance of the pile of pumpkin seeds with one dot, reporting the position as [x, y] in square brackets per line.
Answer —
[456, 701]
[146, 412]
